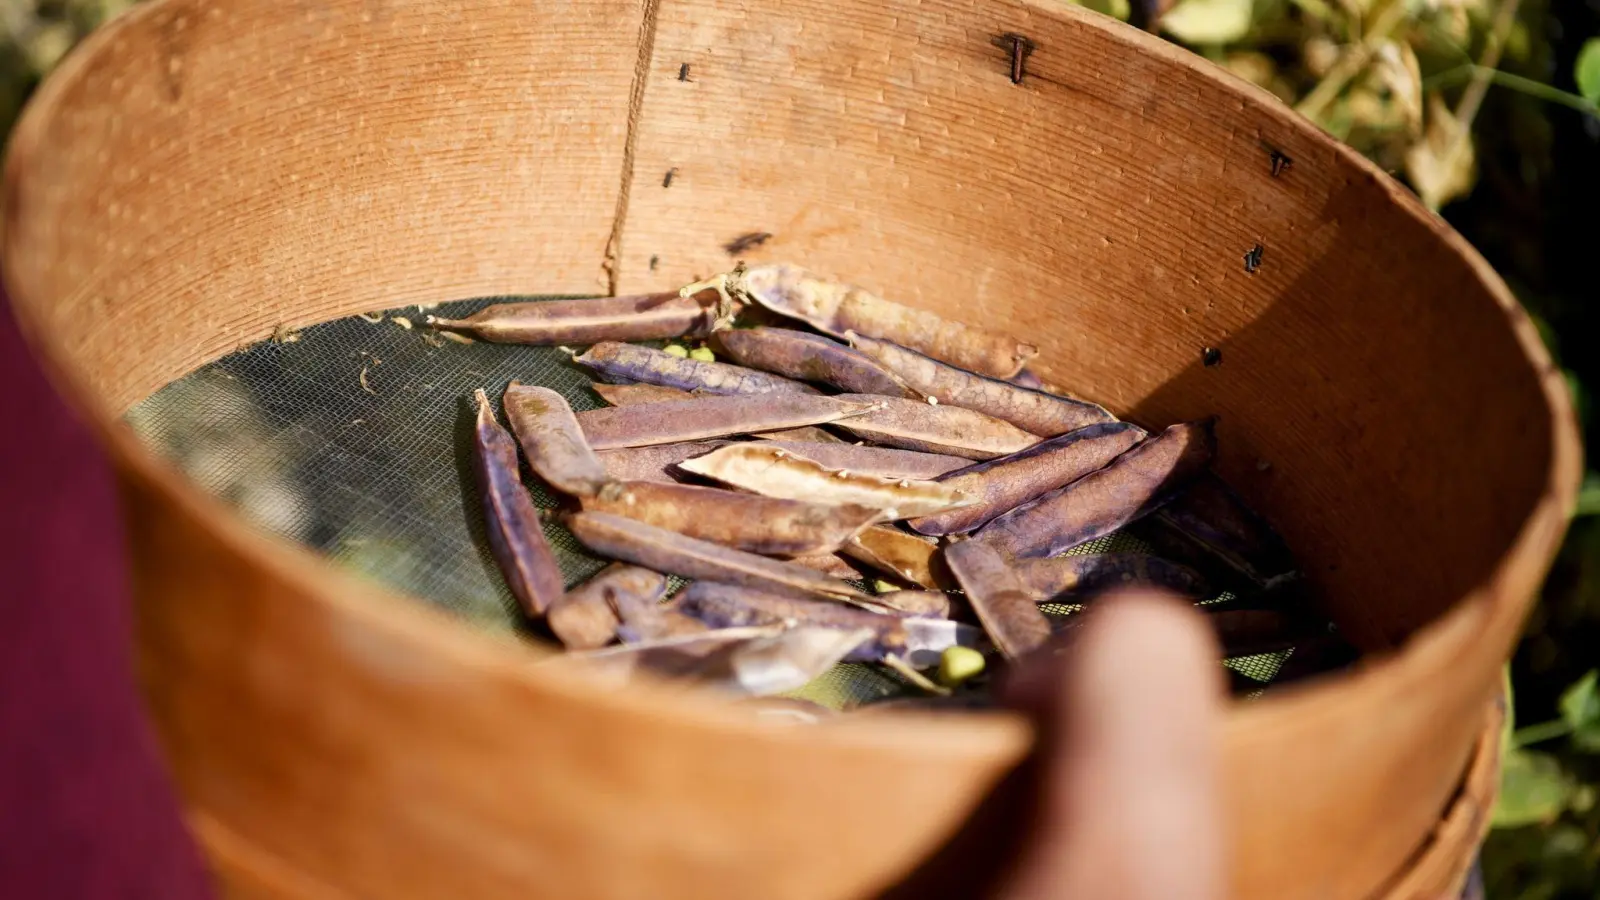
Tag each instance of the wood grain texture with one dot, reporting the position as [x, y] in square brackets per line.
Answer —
[178, 181]
[204, 170]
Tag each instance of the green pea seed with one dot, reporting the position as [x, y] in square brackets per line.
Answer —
[957, 664]
[678, 350]
[883, 587]
[703, 354]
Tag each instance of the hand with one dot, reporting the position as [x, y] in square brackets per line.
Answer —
[1120, 798]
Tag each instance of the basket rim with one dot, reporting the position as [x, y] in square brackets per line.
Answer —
[1465, 632]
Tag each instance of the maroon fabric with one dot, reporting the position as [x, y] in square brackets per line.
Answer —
[86, 809]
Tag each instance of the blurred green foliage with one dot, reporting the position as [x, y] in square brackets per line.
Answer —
[1488, 110]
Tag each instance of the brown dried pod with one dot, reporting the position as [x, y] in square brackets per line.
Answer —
[636, 394]
[835, 309]
[934, 428]
[649, 366]
[551, 322]
[586, 617]
[806, 435]
[667, 551]
[905, 556]
[552, 441]
[1001, 485]
[1135, 484]
[710, 417]
[776, 472]
[765, 525]
[1248, 632]
[654, 463]
[515, 534]
[1033, 411]
[811, 357]
[830, 564]
[645, 619]
[745, 661]
[917, 639]
[888, 462]
[1002, 602]
[1074, 578]
[1212, 516]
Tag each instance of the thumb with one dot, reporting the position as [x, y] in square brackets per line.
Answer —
[1129, 725]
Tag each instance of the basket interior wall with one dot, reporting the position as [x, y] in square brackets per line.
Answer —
[1103, 207]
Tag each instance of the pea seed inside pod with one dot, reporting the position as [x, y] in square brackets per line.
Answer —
[1033, 411]
[650, 366]
[1135, 484]
[552, 322]
[771, 527]
[774, 472]
[836, 309]
[810, 357]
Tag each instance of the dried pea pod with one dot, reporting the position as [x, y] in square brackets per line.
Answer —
[633, 362]
[917, 639]
[835, 309]
[637, 394]
[830, 564]
[806, 435]
[905, 556]
[810, 357]
[776, 472]
[934, 428]
[1001, 485]
[551, 322]
[765, 525]
[1076, 577]
[917, 604]
[888, 462]
[1132, 486]
[710, 417]
[552, 441]
[745, 661]
[653, 463]
[515, 534]
[646, 619]
[1035, 412]
[1003, 604]
[586, 617]
[1248, 632]
[667, 551]
[1212, 516]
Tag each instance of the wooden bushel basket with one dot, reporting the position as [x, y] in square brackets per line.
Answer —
[204, 171]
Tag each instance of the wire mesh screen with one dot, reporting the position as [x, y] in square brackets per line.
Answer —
[353, 437]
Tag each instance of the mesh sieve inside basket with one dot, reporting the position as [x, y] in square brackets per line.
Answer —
[353, 437]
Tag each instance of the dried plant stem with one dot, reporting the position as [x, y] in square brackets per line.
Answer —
[1472, 97]
[1351, 63]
